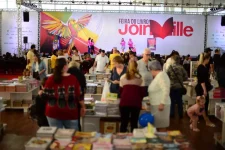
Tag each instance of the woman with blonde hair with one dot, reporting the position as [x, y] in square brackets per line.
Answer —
[118, 70]
[131, 102]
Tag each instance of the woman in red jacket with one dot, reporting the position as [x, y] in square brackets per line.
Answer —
[63, 91]
[132, 92]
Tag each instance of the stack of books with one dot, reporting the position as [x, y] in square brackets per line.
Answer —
[46, 132]
[101, 108]
[91, 88]
[113, 109]
[100, 76]
[38, 143]
[64, 134]
[99, 89]
[85, 134]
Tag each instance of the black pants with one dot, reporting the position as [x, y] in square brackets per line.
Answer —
[176, 98]
[199, 92]
[129, 113]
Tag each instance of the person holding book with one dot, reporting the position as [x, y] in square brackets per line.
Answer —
[63, 90]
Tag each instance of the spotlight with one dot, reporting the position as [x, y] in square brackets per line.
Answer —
[73, 2]
[154, 4]
[85, 2]
[210, 4]
[177, 4]
[97, 2]
[187, 4]
[130, 3]
[199, 4]
[143, 3]
[108, 2]
[165, 3]
[40, 1]
[119, 3]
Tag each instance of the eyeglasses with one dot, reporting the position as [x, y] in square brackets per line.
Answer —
[148, 54]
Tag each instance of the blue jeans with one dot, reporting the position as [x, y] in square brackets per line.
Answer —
[176, 98]
[67, 124]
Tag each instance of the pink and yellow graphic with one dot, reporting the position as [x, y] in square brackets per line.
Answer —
[69, 31]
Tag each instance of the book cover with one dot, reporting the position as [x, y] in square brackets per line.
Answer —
[62, 145]
[85, 134]
[82, 146]
[138, 140]
[109, 127]
[46, 130]
[174, 133]
[64, 133]
[41, 143]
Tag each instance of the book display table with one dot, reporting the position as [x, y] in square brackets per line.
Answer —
[140, 139]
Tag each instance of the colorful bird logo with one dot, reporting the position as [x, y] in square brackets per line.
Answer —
[67, 32]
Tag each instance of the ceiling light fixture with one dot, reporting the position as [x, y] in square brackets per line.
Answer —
[143, 3]
[108, 2]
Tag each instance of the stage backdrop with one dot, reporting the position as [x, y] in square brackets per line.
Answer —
[9, 31]
[160, 32]
[216, 33]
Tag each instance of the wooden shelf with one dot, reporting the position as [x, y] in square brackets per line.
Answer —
[22, 92]
[24, 108]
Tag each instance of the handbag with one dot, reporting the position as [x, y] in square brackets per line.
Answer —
[36, 75]
[183, 90]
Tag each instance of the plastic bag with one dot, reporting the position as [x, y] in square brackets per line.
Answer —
[105, 91]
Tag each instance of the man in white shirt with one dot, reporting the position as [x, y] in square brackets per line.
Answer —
[143, 65]
[101, 61]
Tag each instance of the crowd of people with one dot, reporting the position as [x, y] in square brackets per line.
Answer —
[132, 78]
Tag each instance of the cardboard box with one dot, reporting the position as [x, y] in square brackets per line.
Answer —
[10, 88]
[21, 88]
[2, 88]
[17, 103]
